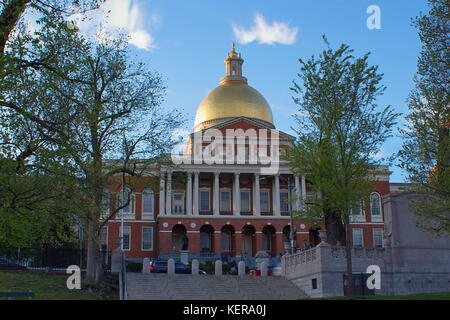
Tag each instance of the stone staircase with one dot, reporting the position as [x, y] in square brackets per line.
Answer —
[209, 287]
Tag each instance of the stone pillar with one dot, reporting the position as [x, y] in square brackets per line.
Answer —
[171, 266]
[297, 192]
[276, 197]
[218, 268]
[194, 267]
[196, 188]
[189, 194]
[216, 203]
[162, 197]
[241, 268]
[303, 190]
[256, 197]
[169, 194]
[146, 265]
[264, 269]
[237, 195]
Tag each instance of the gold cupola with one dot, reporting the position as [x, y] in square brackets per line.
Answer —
[232, 98]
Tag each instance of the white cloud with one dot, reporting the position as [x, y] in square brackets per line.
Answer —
[277, 32]
[118, 16]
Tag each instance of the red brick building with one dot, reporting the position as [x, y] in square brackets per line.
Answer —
[230, 194]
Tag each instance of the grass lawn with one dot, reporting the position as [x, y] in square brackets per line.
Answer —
[45, 286]
[417, 296]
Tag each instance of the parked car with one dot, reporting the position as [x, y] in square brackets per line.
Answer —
[273, 270]
[6, 264]
[160, 266]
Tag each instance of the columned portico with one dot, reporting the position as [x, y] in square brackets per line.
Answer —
[297, 192]
[162, 199]
[216, 190]
[256, 196]
[169, 193]
[196, 195]
[237, 195]
[189, 194]
[276, 196]
[303, 191]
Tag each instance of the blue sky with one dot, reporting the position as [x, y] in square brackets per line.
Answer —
[186, 41]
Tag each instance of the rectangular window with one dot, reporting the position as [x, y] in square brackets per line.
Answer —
[284, 202]
[357, 213]
[377, 237]
[357, 237]
[126, 238]
[204, 201]
[147, 203]
[245, 201]
[130, 209]
[147, 238]
[265, 201]
[357, 210]
[314, 283]
[225, 201]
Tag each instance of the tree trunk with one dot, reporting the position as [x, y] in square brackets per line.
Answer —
[92, 253]
[335, 228]
[348, 250]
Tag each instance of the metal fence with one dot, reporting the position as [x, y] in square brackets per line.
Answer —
[51, 257]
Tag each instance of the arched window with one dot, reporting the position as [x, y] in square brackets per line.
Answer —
[375, 206]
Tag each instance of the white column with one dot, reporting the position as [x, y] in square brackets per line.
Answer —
[162, 197]
[237, 195]
[276, 198]
[189, 194]
[216, 193]
[303, 191]
[297, 192]
[195, 200]
[169, 194]
[256, 197]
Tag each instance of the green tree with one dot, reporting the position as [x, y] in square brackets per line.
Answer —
[339, 132]
[92, 107]
[29, 212]
[425, 154]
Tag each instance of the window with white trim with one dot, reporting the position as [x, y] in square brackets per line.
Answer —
[147, 203]
[264, 201]
[225, 200]
[357, 237]
[375, 207]
[245, 201]
[357, 213]
[284, 201]
[204, 200]
[126, 238]
[147, 238]
[129, 199]
[377, 237]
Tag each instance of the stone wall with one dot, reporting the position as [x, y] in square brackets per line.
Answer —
[412, 260]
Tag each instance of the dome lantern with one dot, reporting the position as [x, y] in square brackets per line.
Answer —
[233, 67]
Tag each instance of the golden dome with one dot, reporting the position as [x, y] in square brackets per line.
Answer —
[233, 98]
